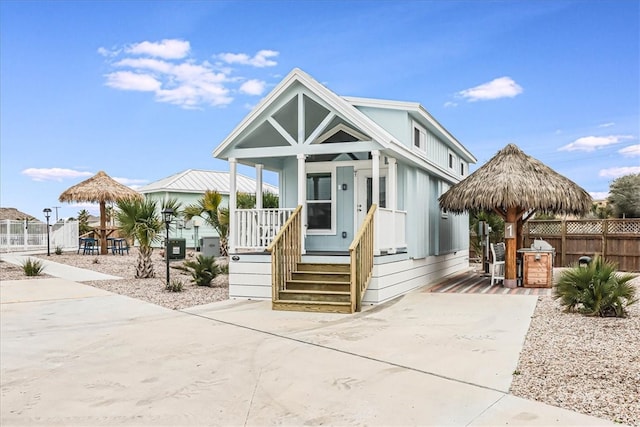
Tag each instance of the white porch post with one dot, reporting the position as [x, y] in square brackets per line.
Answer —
[233, 173]
[259, 168]
[392, 200]
[375, 197]
[302, 198]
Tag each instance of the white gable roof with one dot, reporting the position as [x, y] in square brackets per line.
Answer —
[346, 107]
[199, 181]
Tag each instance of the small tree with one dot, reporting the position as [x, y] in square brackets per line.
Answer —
[83, 222]
[624, 196]
[208, 208]
[137, 219]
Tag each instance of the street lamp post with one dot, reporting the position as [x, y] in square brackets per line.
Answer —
[167, 215]
[47, 214]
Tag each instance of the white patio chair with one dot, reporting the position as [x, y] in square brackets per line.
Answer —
[497, 262]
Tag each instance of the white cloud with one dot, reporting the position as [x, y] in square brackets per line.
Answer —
[130, 181]
[630, 151]
[591, 143]
[450, 104]
[260, 59]
[606, 125]
[502, 87]
[127, 80]
[253, 87]
[54, 174]
[599, 195]
[162, 68]
[167, 48]
[619, 171]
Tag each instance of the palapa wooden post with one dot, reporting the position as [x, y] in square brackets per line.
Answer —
[510, 280]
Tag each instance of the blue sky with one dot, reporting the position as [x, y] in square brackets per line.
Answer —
[143, 90]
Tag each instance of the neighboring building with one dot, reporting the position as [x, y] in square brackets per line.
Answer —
[336, 156]
[188, 187]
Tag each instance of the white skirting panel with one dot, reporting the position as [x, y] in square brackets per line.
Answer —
[394, 279]
[250, 278]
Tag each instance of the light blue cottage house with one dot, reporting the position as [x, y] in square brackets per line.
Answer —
[187, 187]
[359, 182]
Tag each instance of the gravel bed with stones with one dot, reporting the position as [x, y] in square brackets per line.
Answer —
[586, 364]
[150, 290]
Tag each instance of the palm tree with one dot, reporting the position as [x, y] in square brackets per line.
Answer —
[138, 220]
[208, 208]
[83, 222]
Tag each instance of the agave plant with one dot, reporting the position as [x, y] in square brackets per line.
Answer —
[138, 220]
[596, 290]
[203, 270]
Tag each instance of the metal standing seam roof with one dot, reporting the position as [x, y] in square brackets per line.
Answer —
[199, 181]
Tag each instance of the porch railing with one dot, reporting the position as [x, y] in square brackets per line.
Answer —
[394, 237]
[286, 252]
[361, 259]
[255, 229]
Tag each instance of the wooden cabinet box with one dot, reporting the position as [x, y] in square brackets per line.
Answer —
[538, 269]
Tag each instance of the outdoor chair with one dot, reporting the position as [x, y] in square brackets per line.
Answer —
[497, 262]
[90, 246]
[120, 246]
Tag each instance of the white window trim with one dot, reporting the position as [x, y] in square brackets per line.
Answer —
[444, 187]
[423, 137]
[453, 164]
[324, 168]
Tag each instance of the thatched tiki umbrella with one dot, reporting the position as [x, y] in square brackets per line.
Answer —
[516, 185]
[100, 188]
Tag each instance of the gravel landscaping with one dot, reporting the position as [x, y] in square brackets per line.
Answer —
[586, 364]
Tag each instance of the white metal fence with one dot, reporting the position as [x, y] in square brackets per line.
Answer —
[18, 236]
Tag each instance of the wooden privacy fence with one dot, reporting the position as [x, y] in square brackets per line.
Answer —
[617, 240]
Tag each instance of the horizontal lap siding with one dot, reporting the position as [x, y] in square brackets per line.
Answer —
[397, 278]
[251, 280]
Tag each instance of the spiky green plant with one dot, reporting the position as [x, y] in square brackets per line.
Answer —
[32, 267]
[175, 285]
[137, 219]
[203, 269]
[595, 290]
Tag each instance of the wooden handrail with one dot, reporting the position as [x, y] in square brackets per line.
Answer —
[361, 259]
[286, 252]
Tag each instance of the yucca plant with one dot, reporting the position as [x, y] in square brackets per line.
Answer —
[203, 270]
[32, 267]
[595, 290]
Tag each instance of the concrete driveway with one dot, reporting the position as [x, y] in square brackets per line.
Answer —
[72, 354]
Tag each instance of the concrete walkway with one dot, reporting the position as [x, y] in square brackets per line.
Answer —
[72, 354]
[62, 271]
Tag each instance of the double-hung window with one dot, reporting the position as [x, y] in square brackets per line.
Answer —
[319, 202]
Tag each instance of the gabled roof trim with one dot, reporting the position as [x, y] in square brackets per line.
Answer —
[416, 108]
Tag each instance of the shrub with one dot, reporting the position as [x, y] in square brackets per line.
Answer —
[595, 290]
[203, 270]
[32, 267]
[174, 286]
[58, 250]
[224, 268]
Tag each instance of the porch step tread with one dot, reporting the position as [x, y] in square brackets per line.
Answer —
[336, 268]
[312, 306]
[318, 282]
[314, 291]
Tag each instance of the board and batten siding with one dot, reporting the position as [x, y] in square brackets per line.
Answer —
[393, 121]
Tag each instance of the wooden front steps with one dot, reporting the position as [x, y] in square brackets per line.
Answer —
[317, 287]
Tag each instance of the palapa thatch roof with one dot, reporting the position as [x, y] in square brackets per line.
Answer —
[99, 188]
[513, 179]
[15, 215]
